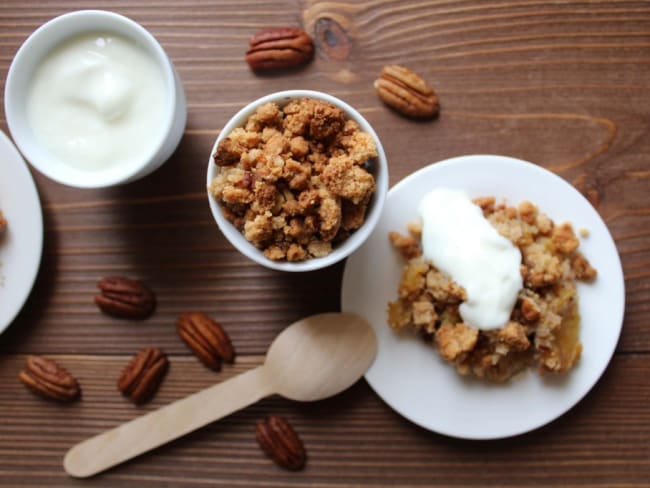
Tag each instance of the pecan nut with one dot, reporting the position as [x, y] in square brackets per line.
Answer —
[206, 339]
[46, 378]
[281, 443]
[279, 48]
[406, 92]
[125, 298]
[142, 376]
[227, 153]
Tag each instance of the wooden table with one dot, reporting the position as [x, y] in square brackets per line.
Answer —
[563, 84]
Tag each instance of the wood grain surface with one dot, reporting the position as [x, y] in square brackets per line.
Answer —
[563, 84]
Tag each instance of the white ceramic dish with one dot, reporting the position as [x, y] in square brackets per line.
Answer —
[26, 61]
[380, 172]
[410, 376]
[21, 247]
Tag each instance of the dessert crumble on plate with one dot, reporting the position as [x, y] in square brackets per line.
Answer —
[543, 330]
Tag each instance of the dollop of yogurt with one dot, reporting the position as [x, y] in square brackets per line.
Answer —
[461, 243]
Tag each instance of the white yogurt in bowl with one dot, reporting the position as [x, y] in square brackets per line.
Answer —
[92, 100]
[96, 100]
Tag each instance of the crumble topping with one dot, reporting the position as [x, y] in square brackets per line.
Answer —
[295, 180]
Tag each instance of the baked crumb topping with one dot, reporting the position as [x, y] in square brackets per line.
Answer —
[295, 180]
[543, 330]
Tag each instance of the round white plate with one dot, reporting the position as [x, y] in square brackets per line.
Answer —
[410, 376]
[22, 244]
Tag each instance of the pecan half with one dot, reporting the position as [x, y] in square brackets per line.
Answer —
[279, 48]
[227, 153]
[406, 92]
[125, 298]
[206, 339]
[142, 376]
[280, 442]
[46, 378]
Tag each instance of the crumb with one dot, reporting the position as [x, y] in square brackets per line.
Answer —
[582, 269]
[455, 339]
[542, 264]
[353, 216]
[486, 204]
[347, 180]
[415, 229]
[296, 253]
[319, 248]
[564, 238]
[330, 216]
[527, 212]
[530, 310]
[544, 224]
[408, 246]
[399, 315]
[584, 233]
[424, 315]
[442, 289]
[275, 253]
[514, 335]
[295, 180]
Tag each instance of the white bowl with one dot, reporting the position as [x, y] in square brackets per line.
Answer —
[27, 60]
[344, 249]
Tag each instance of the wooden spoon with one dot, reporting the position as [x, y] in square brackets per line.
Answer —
[312, 359]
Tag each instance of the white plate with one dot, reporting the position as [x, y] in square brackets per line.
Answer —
[21, 247]
[410, 376]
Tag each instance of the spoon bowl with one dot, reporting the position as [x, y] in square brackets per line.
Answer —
[314, 358]
[320, 356]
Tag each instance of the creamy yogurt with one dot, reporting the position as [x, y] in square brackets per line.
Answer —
[462, 244]
[97, 100]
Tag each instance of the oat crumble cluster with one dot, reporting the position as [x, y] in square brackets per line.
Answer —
[543, 330]
[295, 180]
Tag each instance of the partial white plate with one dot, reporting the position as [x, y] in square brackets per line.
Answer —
[22, 245]
[410, 376]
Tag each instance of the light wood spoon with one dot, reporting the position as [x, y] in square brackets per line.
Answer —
[314, 358]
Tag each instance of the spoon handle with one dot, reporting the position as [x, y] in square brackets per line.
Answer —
[165, 424]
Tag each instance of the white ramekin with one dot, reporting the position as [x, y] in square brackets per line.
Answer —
[27, 60]
[379, 170]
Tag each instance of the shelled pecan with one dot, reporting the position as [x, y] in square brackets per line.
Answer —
[406, 92]
[142, 376]
[279, 48]
[49, 380]
[281, 443]
[206, 339]
[125, 298]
